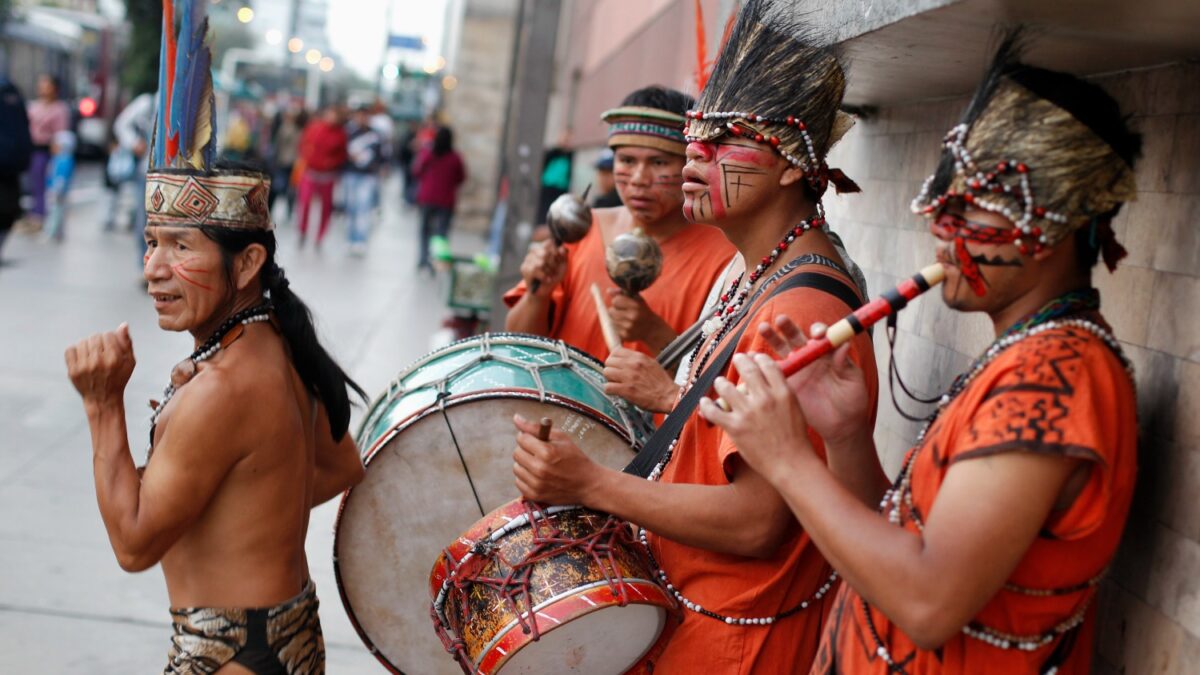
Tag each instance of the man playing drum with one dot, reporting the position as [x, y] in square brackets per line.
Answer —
[986, 553]
[646, 134]
[251, 433]
[753, 587]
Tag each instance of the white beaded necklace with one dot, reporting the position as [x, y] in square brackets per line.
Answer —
[898, 501]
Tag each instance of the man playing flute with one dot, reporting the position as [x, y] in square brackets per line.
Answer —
[985, 554]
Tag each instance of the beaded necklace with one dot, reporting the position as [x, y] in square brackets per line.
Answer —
[729, 319]
[1062, 312]
[185, 370]
[725, 315]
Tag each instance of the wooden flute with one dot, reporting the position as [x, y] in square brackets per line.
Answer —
[861, 319]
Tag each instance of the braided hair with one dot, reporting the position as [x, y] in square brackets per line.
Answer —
[321, 375]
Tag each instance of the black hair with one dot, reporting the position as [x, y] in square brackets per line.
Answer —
[443, 141]
[321, 375]
[661, 98]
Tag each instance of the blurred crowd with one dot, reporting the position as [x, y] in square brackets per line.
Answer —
[322, 162]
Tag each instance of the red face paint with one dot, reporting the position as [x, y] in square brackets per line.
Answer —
[182, 271]
[968, 267]
[960, 230]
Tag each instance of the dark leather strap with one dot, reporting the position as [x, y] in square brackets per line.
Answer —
[658, 444]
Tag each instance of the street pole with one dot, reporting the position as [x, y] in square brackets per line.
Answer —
[537, 30]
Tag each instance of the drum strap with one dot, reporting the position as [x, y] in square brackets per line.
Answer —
[658, 445]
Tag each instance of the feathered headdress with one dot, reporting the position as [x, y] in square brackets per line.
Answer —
[183, 187]
[1017, 153]
[773, 84]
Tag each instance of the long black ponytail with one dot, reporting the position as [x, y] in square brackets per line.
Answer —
[322, 376]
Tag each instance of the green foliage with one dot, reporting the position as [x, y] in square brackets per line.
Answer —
[140, 69]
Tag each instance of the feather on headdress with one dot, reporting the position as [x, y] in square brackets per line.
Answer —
[1016, 153]
[183, 186]
[774, 84]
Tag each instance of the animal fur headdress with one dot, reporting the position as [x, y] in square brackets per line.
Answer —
[1018, 154]
[183, 189]
[773, 84]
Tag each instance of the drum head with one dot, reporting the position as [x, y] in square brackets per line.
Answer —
[417, 497]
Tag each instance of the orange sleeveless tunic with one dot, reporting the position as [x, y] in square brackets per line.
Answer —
[1061, 392]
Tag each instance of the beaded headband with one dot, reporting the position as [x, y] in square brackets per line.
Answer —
[1029, 160]
[183, 187]
[645, 127]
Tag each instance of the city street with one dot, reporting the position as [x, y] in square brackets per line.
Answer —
[65, 605]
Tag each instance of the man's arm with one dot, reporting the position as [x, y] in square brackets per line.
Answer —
[987, 513]
[745, 517]
[338, 465]
[145, 516]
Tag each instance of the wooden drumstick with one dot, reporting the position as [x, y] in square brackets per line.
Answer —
[611, 337]
[543, 433]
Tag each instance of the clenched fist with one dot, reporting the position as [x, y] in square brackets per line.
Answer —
[634, 320]
[545, 264]
[101, 365]
[639, 379]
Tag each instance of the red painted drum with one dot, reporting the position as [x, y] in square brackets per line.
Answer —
[559, 589]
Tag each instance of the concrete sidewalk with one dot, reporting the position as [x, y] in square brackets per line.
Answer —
[65, 605]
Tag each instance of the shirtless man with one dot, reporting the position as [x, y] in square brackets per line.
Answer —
[247, 434]
[251, 434]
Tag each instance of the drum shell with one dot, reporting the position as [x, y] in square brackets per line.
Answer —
[415, 496]
[563, 588]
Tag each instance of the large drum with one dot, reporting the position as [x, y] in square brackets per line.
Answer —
[438, 450]
[533, 590]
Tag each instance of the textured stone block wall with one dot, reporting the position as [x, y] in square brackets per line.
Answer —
[1149, 606]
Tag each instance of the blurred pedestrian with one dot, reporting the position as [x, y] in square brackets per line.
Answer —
[604, 185]
[16, 149]
[133, 128]
[360, 182]
[440, 171]
[47, 116]
[556, 174]
[285, 144]
[323, 150]
[58, 183]
[406, 153]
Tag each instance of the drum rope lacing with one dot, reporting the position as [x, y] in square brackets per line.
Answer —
[514, 586]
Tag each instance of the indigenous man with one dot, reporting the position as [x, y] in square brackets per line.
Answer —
[753, 588]
[251, 433]
[646, 134]
[990, 544]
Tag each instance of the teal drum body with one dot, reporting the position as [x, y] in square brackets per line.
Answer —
[438, 449]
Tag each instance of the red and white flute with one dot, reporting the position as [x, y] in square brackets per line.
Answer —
[861, 319]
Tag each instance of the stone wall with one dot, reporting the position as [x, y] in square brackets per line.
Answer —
[1149, 606]
[476, 107]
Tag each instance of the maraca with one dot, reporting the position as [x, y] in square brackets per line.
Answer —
[569, 218]
[634, 261]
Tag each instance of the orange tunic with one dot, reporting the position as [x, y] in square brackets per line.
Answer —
[693, 258]
[738, 586]
[1062, 392]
